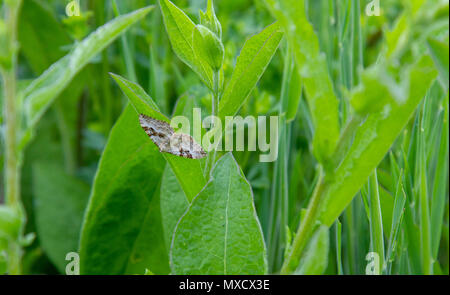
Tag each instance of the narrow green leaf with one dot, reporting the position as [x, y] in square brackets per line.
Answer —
[387, 206]
[397, 217]
[184, 169]
[439, 51]
[295, 95]
[440, 185]
[119, 235]
[250, 66]
[315, 259]
[313, 70]
[220, 232]
[45, 89]
[372, 141]
[338, 229]
[376, 221]
[424, 211]
[180, 29]
[60, 201]
[41, 36]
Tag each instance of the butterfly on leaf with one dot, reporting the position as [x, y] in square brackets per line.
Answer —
[163, 135]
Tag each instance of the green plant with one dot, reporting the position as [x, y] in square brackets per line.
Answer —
[362, 109]
[31, 103]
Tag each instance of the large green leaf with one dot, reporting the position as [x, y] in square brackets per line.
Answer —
[174, 201]
[185, 169]
[220, 232]
[45, 89]
[120, 234]
[60, 201]
[373, 140]
[313, 70]
[250, 66]
[180, 29]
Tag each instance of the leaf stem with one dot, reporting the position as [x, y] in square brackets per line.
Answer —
[12, 164]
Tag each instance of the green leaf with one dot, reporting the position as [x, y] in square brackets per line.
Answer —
[373, 140]
[424, 204]
[313, 70]
[439, 51]
[60, 201]
[440, 185]
[376, 219]
[250, 66]
[387, 207]
[397, 218]
[207, 46]
[185, 169]
[294, 95]
[120, 234]
[315, 259]
[45, 89]
[209, 19]
[9, 224]
[173, 203]
[220, 232]
[376, 91]
[180, 29]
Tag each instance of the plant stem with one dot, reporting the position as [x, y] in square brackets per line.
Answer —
[215, 97]
[307, 226]
[214, 112]
[12, 165]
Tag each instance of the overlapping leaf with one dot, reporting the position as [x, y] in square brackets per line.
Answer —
[121, 233]
[184, 169]
[220, 232]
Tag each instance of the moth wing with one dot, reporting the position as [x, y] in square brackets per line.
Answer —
[184, 145]
[159, 131]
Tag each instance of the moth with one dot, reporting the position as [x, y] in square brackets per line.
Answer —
[163, 135]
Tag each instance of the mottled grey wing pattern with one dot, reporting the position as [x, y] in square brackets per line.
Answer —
[163, 135]
[184, 145]
[159, 131]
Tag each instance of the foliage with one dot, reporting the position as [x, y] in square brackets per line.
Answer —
[362, 166]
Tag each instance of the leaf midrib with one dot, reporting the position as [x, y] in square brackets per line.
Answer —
[226, 225]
